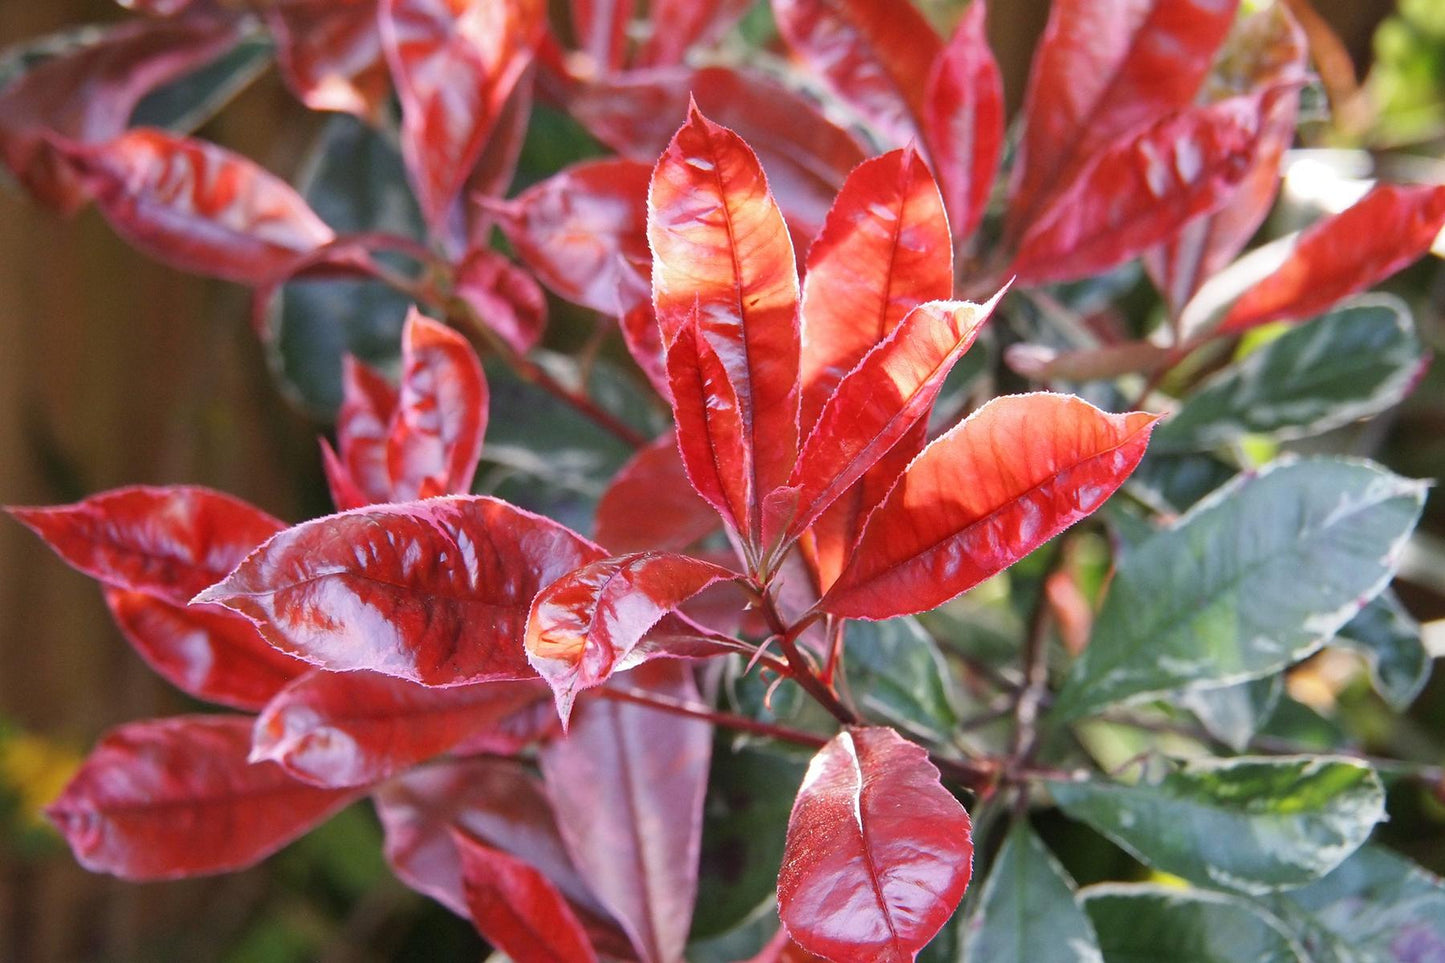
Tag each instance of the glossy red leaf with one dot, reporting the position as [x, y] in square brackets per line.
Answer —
[962, 121]
[679, 25]
[360, 476]
[601, 30]
[1142, 190]
[588, 624]
[329, 52]
[1102, 69]
[170, 798]
[167, 542]
[88, 95]
[583, 232]
[878, 852]
[494, 170]
[1014, 474]
[356, 728]
[198, 207]
[875, 54]
[436, 591]
[1388, 229]
[723, 263]
[517, 909]
[649, 505]
[627, 785]
[434, 440]
[506, 298]
[875, 406]
[203, 651]
[884, 250]
[644, 342]
[454, 64]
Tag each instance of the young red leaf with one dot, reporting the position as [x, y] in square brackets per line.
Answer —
[1102, 69]
[584, 228]
[601, 30]
[644, 342]
[88, 95]
[884, 250]
[360, 475]
[198, 207]
[506, 298]
[203, 651]
[517, 909]
[329, 52]
[454, 64]
[962, 121]
[492, 176]
[1013, 475]
[1142, 190]
[679, 25]
[436, 591]
[874, 53]
[627, 785]
[1389, 228]
[356, 728]
[649, 505]
[176, 797]
[434, 441]
[878, 852]
[723, 263]
[166, 542]
[588, 624]
[876, 405]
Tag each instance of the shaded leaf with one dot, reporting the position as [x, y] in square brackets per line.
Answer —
[436, 591]
[1389, 639]
[176, 797]
[330, 54]
[897, 672]
[649, 505]
[679, 25]
[360, 475]
[978, 499]
[1253, 578]
[1234, 713]
[188, 103]
[1142, 922]
[878, 852]
[506, 298]
[600, 27]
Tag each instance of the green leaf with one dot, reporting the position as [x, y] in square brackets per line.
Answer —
[1255, 577]
[1175, 483]
[1142, 923]
[895, 671]
[1349, 364]
[1028, 912]
[1235, 713]
[1250, 824]
[189, 102]
[1390, 641]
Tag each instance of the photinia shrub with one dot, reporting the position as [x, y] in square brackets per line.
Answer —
[718, 598]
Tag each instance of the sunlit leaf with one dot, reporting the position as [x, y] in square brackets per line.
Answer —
[649, 505]
[1143, 922]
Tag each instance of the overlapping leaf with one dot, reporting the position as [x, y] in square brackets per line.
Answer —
[436, 591]
[678, 25]
[504, 297]
[864, 877]
[600, 27]
[330, 54]
[649, 505]
[983, 495]
[1146, 922]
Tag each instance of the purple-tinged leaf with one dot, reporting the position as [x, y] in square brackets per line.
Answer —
[650, 506]
[359, 474]
[601, 30]
[679, 25]
[506, 298]
[329, 52]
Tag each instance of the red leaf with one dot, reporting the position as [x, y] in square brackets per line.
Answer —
[170, 798]
[436, 591]
[649, 505]
[329, 52]
[588, 624]
[962, 121]
[723, 262]
[679, 25]
[166, 542]
[454, 64]
[203, 651]
[584, 233]
[627, 785]
[644, 342]
[884, 250]
[1389, 228]
[504, 296]
[875, 54]
[87, 95]
[982, 496]
[877, 404]
[494, 170]
[517, 909]
[198, 207]
[1142, 190]
[1102, 69]
[878, 852]
[361, 476]
[434, 441]
[601, 30]
[356, 728]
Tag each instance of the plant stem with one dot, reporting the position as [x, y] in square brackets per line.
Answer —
[802, 672]
[727, 720]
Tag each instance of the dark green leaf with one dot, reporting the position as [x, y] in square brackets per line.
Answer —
[1028, 912]
[1255, 577]
[1390, 641]
[1175, 483]
[1150, 923]
[191, 101]
[896, 672]
[1348, 364]
[1234, 713]
[1248, 824]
